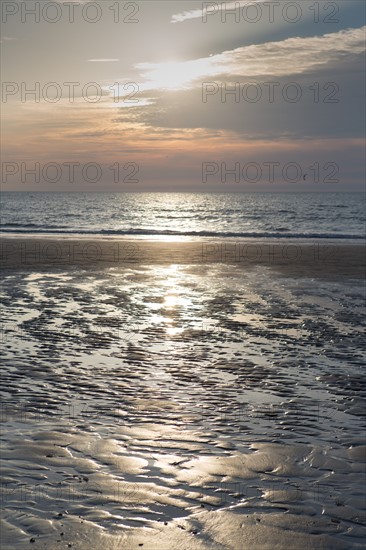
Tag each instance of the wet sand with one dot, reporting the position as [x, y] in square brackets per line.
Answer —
[312, 259]
[187, 395]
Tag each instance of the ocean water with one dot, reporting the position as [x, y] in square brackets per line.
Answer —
[224, 215]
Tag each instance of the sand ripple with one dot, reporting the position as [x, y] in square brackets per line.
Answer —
[182, 407]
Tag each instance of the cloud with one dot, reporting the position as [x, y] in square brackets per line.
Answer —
[290, 56]
[273, 59]
[103, 60]
[262, 119]
[7, 39]
[173, 92]
[213, 8]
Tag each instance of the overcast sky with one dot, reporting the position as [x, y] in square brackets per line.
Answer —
[159, 106]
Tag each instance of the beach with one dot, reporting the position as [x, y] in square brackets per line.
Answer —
[182, 394]
[318, 258]
[183, 259]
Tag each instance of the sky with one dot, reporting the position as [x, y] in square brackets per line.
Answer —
[183, 95]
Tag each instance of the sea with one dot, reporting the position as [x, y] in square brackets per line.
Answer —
[191, 215]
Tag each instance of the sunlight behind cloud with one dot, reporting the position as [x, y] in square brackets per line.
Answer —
[291, 56]
[175, 75]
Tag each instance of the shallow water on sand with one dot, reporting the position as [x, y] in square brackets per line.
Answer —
[188, 398]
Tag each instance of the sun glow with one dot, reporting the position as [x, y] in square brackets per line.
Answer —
[175, 75]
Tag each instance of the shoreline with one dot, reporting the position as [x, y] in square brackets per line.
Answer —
[160, 237]
[317, 258]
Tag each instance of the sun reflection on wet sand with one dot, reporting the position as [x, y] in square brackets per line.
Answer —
[174, 303]
[171, 300]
